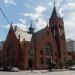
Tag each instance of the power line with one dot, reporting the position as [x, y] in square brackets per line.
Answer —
[5, 16]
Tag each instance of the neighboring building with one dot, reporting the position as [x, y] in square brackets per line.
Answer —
[24, 49]
[1, 52]
[71, 47]
[1, 45]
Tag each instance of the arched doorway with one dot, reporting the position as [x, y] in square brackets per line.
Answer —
[48, 55]
[30, 64]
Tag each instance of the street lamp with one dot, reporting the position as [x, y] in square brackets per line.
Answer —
[49, 65]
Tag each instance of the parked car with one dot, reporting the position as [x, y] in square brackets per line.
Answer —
[1, 68]
[14, 69]
[6, 68]
[72, 68]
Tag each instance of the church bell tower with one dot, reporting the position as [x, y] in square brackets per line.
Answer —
[56, 26]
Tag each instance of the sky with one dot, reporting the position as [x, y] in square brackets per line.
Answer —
[24, 12]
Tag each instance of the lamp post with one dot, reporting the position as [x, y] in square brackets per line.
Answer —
[31, 59]
[49, 65]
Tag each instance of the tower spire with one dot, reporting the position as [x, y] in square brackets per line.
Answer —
[54, 3]
[11, 24]
[54, 12]
[11, 27]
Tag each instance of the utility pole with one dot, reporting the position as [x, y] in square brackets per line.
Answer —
[5, 16]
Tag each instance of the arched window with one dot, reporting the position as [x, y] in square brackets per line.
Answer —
[9, 48]
[47, 53]
[48, 49]
[53, 29]
[31, 52]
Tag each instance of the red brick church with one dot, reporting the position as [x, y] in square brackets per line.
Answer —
[23, 49]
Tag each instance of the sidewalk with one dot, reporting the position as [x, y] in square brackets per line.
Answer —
[43, 71]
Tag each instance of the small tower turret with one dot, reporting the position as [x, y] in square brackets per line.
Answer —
[31, 29]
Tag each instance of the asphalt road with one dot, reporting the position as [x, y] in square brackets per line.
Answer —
[39, 73]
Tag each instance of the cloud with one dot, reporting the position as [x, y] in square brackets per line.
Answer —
[21, 20]
[9, 2]
[37, 16]
[58, 3]
[68, 6]
[50, 4]
[70, 18]
[33, 16]
[70, 1]
[69, 23]
[71, 5]
[5, 26]
[61, 12]
[38, 12]
[40, 9]
[27, 14]
[67, 11]
[27, 5]
[41, 23]
[19, 25]
[22, 26]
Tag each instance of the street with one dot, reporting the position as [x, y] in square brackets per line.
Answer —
[39, 73]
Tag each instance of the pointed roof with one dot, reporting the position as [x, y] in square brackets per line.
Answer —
[31, 27]
[10, 32]
[55, 13]
[11, 28]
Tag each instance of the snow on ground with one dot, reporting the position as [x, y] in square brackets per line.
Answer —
[39, 73]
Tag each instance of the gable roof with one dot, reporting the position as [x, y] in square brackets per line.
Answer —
[40, 32]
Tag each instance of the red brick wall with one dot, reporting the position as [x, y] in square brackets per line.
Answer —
[11, 49]
[43, 39]
[20, 51]
[60, 39]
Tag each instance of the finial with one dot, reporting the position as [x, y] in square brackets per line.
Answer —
[11, 28]
[31, 29]
[54, 3]
[47, 24]
[31, 24]
[31, 21]
[11, 24]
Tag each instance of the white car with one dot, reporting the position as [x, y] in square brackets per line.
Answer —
[14, 69]
[72, 68]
